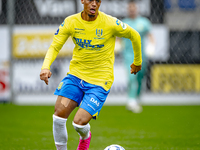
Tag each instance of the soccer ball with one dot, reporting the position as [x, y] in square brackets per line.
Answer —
[114, 147]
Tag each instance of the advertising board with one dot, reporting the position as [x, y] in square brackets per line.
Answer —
[175, 78]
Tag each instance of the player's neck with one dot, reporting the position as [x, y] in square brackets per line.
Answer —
[133, 16]
[88, 17]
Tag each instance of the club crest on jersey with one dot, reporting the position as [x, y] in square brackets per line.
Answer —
[99, 32]
[60, 86]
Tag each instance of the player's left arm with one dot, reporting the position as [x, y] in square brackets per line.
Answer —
[123, 30]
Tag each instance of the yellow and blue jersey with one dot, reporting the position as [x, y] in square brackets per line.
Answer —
[93, 55]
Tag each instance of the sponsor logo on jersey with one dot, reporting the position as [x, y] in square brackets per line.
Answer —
[57, 32]
[118, 22]
[79, 29]
[84, 43]
[99, 32]
[91, 107]
[95, 102]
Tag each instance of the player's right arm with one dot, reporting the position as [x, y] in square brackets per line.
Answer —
[44, 75]
[59, 39]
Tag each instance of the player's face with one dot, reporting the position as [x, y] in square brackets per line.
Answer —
[132, 10]
[91, 7]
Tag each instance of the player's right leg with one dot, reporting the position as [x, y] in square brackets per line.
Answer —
[63, 108]
[69, 97]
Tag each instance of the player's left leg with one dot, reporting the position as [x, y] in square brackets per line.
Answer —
[91, 105]
[140, 77]
[139, 81]
[82, 126]
[133, 88]
[134, 105]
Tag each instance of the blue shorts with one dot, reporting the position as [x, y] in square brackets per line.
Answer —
[90, 97]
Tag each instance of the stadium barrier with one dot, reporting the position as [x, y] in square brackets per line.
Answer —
[27, 28]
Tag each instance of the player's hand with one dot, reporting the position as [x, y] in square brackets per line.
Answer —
[135, 69]
[45, 74]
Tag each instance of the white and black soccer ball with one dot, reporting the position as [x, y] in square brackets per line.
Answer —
[114, 147]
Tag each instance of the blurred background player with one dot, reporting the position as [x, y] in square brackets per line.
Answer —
[143, 26]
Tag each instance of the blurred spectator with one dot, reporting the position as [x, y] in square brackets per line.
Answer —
[143, 26]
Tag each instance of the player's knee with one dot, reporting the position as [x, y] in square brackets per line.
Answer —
[82, 117]
[79, 121]
[60, 113]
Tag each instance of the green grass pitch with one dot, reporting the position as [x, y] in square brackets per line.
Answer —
[156, 128]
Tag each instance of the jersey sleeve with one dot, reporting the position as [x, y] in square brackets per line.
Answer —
[59, 40]
[121, 29]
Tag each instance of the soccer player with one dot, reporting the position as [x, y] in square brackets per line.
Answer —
[143, 26]
[90, 75]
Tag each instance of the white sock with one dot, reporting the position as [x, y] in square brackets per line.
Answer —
[83, 130]
[60, 132]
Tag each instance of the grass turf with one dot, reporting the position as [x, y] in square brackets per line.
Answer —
[156, 128]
